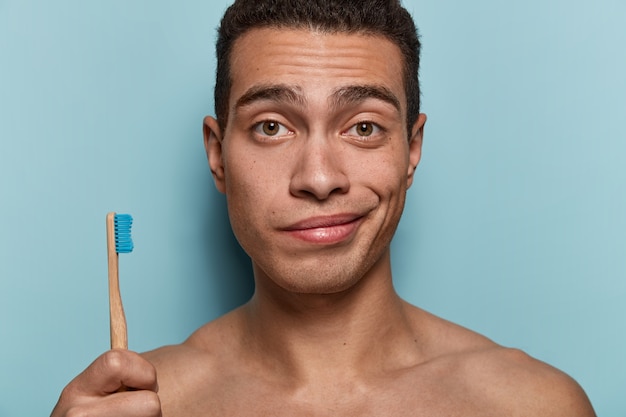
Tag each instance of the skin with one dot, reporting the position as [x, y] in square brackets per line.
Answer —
[315, 163]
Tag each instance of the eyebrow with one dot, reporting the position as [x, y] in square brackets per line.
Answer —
[356, 94]
[341, 97]
[280, 93]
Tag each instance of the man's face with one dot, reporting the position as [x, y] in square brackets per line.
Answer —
[314, 161]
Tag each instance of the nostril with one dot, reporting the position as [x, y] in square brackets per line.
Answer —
[319, 181]
[319, 169]
[319, 190]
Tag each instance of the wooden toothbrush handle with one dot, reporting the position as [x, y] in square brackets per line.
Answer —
[119, 335]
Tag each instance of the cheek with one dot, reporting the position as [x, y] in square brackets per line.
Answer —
[244, 214]
[250, 191]
[387, 174]
[242, 194]
[240, 169]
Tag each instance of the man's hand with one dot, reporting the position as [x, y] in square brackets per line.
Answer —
[119, 383]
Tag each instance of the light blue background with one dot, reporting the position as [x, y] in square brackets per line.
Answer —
[515, 226]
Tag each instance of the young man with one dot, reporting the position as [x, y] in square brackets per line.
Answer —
[316, 141]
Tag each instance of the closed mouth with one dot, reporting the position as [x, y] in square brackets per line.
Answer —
[325, 229]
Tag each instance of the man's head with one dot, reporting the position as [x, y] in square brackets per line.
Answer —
[385, 18]
[317, 138]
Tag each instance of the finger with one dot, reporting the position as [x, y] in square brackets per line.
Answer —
[126, 404]
[115, 369]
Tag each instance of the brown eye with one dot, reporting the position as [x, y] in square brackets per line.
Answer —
[365, 132]
[271, 128]
[365, 129]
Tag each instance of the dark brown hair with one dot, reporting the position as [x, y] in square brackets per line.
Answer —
[385, 18]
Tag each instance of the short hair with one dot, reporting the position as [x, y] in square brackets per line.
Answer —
[385, 18]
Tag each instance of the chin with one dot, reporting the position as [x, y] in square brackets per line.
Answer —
[319, 277]
[321, 286]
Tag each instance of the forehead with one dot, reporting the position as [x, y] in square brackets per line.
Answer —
[316, 62]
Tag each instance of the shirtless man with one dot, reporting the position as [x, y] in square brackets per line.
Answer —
[316, 141]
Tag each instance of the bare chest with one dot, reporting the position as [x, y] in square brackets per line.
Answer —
[400, 397]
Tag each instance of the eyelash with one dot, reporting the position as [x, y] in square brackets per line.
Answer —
[376, 130]
[257, 129]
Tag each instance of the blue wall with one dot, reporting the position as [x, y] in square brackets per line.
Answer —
[515, 226]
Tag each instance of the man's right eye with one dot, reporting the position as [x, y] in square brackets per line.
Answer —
[270, 128]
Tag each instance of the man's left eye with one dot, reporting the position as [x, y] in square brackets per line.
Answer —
[363, 129]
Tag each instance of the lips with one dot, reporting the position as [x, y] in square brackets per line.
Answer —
[325, 230]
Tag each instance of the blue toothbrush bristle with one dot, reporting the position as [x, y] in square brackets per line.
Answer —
[123, 241]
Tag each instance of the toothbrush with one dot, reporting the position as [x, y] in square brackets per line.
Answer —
[118, 241]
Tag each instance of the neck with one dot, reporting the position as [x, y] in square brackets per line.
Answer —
[361, 330]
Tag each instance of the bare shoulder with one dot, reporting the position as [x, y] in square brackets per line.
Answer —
[194, 371]
[528, 386]
[209, 341]
[180, 368]
[500, 378]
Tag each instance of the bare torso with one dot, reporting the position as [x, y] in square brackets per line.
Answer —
[459, 373]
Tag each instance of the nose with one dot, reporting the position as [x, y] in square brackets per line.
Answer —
[319, 170]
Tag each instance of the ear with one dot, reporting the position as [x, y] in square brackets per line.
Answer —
[213, 147]
[415, 146]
